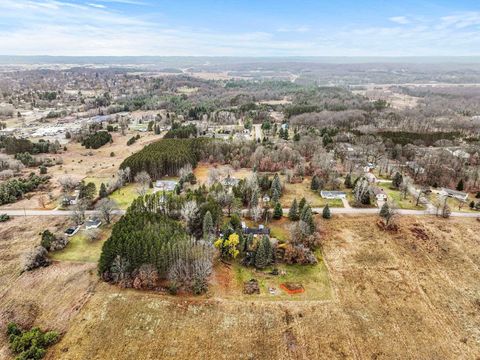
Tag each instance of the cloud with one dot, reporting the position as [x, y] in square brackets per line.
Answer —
[99, 27]
[402, 20]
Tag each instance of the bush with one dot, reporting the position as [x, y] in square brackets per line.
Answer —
[30, 344]
[4, 217]
[35, 259]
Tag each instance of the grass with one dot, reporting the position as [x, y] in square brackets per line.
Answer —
[397, 197]
[80, 249]
[280, 229]
[314, 279]
[300, 190]
[125, 195]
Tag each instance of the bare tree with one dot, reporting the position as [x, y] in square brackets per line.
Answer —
[78, 213]
[106, 207]
[144, 181]
[68, 183]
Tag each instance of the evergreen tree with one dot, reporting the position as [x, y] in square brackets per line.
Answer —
[293, 212]
[207, 226]
[103, 191]
[263, 253]
[301, 205]
[348, 181]
[277, 211]
[326, 212]
[460, 185]
[276, 188]
[315, 185]
[397, 180]
[384, 211]
[307, 217]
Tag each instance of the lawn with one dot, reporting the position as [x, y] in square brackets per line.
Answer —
[300, 190]
[125, 195]
[314, 279]
[397, 197]
[80, 249]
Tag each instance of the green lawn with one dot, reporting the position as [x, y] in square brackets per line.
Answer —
[125, 195]
[397, 197]
[314, 279]
[80, 249]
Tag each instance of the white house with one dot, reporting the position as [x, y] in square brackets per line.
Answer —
[380, 195]
[93, 223]
[166, 185]
[333, 195]
[459, 195]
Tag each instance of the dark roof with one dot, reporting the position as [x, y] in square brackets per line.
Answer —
[256, 231]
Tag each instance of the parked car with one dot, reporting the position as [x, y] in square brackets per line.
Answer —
[72, 230]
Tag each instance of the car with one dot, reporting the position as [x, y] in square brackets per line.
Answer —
[72, 230]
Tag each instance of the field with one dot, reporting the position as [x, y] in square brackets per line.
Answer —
[412, 294]
[299, 190]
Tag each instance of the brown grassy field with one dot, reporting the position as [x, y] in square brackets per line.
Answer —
[412, 294]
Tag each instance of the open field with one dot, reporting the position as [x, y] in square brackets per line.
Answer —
[412, 294]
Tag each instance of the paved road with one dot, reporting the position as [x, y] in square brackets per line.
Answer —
[348, 211]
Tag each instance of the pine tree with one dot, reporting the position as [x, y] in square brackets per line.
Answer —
[397, 180]
[348, 181]
[277, 211]
[293, 212]
[276, 188]
[207, 226]
[263, 253]
[301, 205]
[315, 185]
[384, 211]
[103, 191]
[460, 185]
[307, 217]
[326, 212]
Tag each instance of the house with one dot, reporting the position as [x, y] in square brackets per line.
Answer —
[71, 199]
[266, 198]
[333, 194]
[261, 230]
[230, 181]
[459, 195]
[93, 223]
[380, 195]
[166, 185]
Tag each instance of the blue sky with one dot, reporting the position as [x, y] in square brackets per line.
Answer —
[240, 28]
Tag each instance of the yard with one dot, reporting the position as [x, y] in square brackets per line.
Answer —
[397, 197]
[313, 278]
[300, 190]
[81, 249]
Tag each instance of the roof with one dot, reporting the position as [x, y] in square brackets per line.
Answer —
[167, 184]
[332, 193]
[378, 191]
[256, 231]
[455, 192]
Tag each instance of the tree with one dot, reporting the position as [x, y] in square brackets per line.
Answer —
[397, 180]
[106, 207]
[47, 239]
[78, 213]
[144, 181]
[293, 212]
[208, 226]
[315, 185]
[276, 188]
[348, 181]
[87, 191]
[388, 212]
[228, 247]
[307, 217]
[460, 185]
[103, 191]
[263, 255]
[326, 214]
[301, 205]
[277, 211]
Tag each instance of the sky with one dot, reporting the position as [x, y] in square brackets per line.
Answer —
[240, 28]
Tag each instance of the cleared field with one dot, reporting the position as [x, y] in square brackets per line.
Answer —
[201, 172]
[412, 294]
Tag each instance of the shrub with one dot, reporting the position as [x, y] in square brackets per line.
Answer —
[30, 344]
[97, 140]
